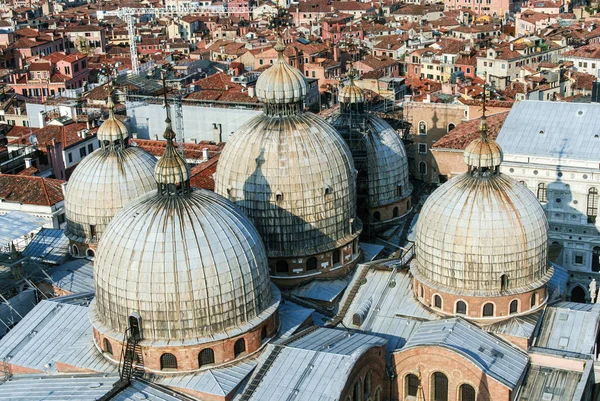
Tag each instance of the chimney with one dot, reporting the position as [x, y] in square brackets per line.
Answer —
[134, 135]
[87, 124]
[64, 188]
[217, 131]
[18, 110]
[512, 47]
[251, 91]
[205, 155]
[28, 162]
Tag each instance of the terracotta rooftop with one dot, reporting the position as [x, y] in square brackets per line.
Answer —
[30, 190]
[202, 175]
[588, 51]
[466, 132]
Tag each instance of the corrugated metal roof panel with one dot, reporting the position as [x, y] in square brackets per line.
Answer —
[60, 388]
[75, 277]
[14, 225]
[48, 246]
[496, 358]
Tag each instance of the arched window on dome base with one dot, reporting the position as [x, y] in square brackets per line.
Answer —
[263, 333]
[239, 347]
[514, 307]
[461, 308]
[75, 250]
[281, 267]
[437, 301]
[206, 357]
[439, 389]
[168, 361]
[504, 282]
[411, 384]
[466, 392]
[108, 347]
[90, 254]
[488, 310]
[311, 264]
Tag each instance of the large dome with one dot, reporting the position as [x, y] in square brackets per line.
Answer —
[294, 178]
[186, 260]
[105, 181]
[482, 233]
[191, 267]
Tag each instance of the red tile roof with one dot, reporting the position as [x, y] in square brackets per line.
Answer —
[31, 190]
[466, 132]
[202, 175]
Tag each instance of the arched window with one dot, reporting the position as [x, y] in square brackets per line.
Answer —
[75, 250]
[488, 309]
[440, 387]
[311, 263]
[578, 295]
[466, 393]
[421, 291]
[107, 347]
[451, 126]
[90, 253]
[357, 394]
[503, 282]
[281, 266]
[437, 301]
[378, 394]
[206, 357]
[395, 213]
[239, 347]
[422, 128]
[461, 308]
[596, 259]
[533, 299]
[263, 333]
[422, 168]
[542, 192]
[337, 256]
[514, 306]
[411, 382]
[168, 361]
[368, 384]
[592, 205]
[376, 216]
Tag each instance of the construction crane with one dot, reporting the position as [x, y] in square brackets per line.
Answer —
[127, 14]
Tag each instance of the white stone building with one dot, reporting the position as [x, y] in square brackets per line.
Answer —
[554, 149]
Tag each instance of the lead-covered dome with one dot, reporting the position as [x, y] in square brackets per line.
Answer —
[482, 233]
[105, 181]
[281, 83]
[294, 179]
[185, 260]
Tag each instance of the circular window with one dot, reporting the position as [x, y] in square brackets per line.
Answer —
[570, 237]
[585, 176]
[535, 172]
[541, 131]
[579, 238]
[570, 230]
[560, 174]
[512, 170]
[558, 200]
[555, 228]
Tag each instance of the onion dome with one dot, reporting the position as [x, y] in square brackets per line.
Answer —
[351, 94]
[291, 173]
[105, 181]
[483, 153]
[482, 233]
[186, 260]
[112, 129]
[281, 86]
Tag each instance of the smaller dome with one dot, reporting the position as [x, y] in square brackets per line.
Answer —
[171, 170]
[112, 129]
[281, 83]
[351, 94]
[483, 153]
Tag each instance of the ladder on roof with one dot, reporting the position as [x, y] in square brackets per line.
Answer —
[7, 374]
[130, 354]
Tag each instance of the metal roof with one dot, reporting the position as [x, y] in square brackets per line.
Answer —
[571, 327]
[552, 129]
[46, 334]
[493, 356]
[544, 383]
[48, 246]
[320, 290]
[292, 316]
[398, 315]
[314, 367]
[516, 326]
[139, 390]
[214, 381]
[370, 251]
[14, 225]
[76, 276]
[61, 388]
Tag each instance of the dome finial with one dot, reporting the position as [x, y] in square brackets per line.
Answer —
[112, 132]
[351, 94]
[172, 173]
[483, 127]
